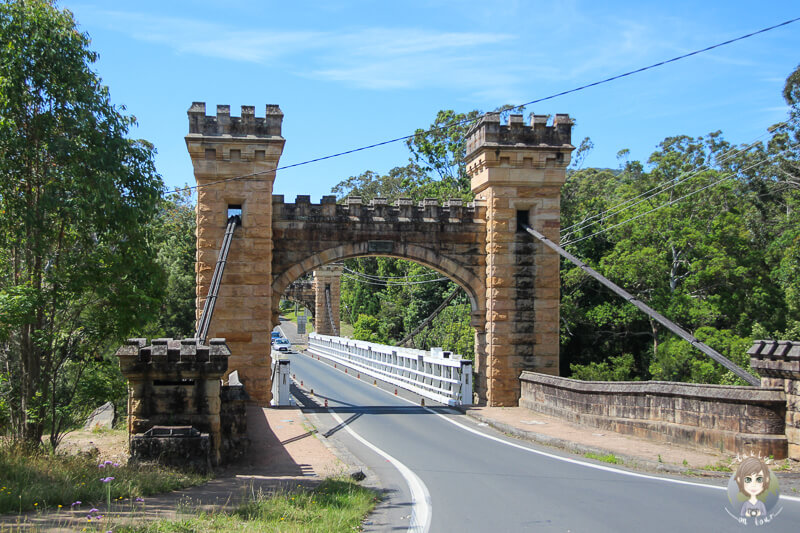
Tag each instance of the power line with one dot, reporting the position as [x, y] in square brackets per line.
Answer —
[725, 178]
[506, 108]
[381, 278]
[660, 188]
[390, 283]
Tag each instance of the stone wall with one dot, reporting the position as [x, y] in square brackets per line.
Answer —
[233, 422]
[446, 237]
[177, 383]
[730, 419]
[778, 362]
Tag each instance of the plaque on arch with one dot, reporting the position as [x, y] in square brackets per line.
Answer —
[380, 246]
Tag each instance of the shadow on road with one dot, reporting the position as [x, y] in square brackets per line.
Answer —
[313, 404]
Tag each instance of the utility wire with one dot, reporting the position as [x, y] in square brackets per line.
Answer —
[660, 188]
[671, 202]
[381, 278]
[502, 110]
[390, 283]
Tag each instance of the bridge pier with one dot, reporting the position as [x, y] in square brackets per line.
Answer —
[517, 171]
[327, 280]
[223, 149]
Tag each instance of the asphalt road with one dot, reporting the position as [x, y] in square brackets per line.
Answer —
[498, 484]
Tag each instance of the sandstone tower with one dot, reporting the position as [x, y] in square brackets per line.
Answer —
[234, 161]
[517, 170]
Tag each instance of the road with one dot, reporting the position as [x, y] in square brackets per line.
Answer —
[477, 480]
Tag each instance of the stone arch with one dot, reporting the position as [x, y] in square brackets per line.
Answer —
[461, 276]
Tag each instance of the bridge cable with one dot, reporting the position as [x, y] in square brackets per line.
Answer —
[425, 323]
[501, 110]
[671, 202]
[649, 311]
[216, 280]
[330, 311]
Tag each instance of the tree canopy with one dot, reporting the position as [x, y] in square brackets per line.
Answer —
[704, 231]
[77, 270]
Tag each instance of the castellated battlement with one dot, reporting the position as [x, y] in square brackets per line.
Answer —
[168, 357]
[245, 125]
[378, 209]
[489, 131]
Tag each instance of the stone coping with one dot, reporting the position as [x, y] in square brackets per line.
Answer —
[698, 391]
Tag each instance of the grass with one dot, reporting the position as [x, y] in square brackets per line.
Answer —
[783, 467]
[610, 458]
[38, 480]
[292, 317]
[337, 505]
[719, 467]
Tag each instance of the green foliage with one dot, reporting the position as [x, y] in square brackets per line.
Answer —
[387, 311]
[442, 149]
[77, 270]
[436, 168]
[722, 264]
[617, 368]
[174, 239]
[451, 330]
[367, 328]
[676, 360]
[101, 381]
[608, 458]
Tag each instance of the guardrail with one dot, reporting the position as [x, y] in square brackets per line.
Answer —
[438, 375]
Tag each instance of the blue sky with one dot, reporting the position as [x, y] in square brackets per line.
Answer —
[351, 73]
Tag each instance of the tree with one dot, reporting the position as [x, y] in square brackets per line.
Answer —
[174, 239]
[77, 271]
[442, 149]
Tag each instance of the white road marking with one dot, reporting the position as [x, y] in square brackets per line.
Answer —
[570, 460]
[420, 497]
[421, 507]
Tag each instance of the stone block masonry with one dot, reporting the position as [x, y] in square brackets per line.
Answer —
[176, 383]
[234, 160]
[327, 282]
[778, 362]
[732, 419]
[517, 171]
[727, 418]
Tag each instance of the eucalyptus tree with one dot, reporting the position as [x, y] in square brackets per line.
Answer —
[77, 271]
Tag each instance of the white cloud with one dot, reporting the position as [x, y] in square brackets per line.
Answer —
[373, 58]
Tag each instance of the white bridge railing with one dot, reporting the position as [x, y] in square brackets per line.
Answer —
[437, 375]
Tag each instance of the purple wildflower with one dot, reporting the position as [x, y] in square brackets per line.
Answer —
[93, 510]
[115, 465]
[106, 479]
[107, 462]
[75, 503]
[101, 465]
[139, 500]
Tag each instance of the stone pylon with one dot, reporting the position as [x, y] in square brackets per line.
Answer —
[329, 277]
[234, 160]
[517, 171]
